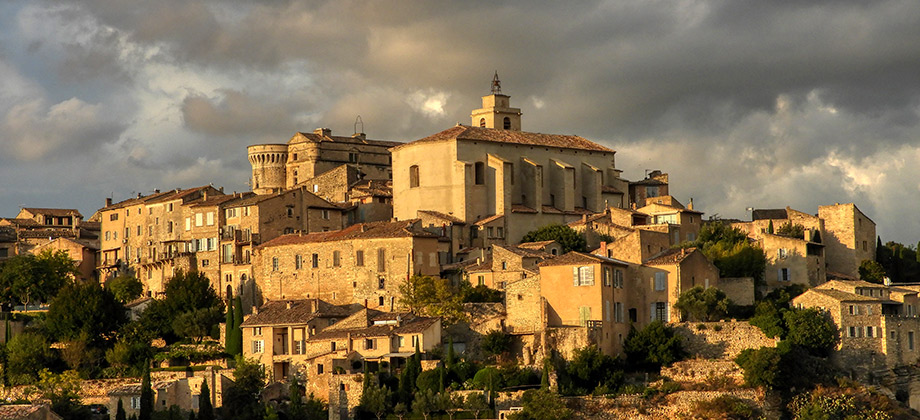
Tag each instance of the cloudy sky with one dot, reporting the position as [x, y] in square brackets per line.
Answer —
[745, 103]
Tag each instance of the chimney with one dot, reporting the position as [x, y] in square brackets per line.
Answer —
[108, 201]
[603, 246]
[156, 191]
[204, 194]
[315, 305]
[139, 195]
[255, 310]
[690, 204]
[289, 304]
[326, 132]
[221, 189]
[584, 218]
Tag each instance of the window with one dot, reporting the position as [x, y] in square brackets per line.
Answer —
[381, 259]
[325, 214]
[869, 332]
[413, 176]
[783, 274]
[169, 226]
[851, 332]
[199, 219]
[210, 218]
[257, 331]
[608, 277]
[660, 311]
[868, 309]
[258, 346]
[583, 276]
[661, 281]
[400, 341]
[852, 309]
[501, 232]
[336, 258]
[482, 122]
[169, 207]
[188, 223]
[781, 252]
[618, 279]
[140, 230]
[618, 311]
[113, 217]
[481, 280]
[353, 157]
[480, 173]
[290, 212]
[319, 369]
[370, 343]
[315, 260]
[506, 123]
[504, 265]
[380, 301]
[415, 340]
[136, 403]
[274, 263]
[108, 235]
[865, 246]
[298, 262]
[910, 340]
[359, 258]
[381, 283]
[607, 311]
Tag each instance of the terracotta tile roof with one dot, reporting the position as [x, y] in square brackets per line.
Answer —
[648, 181]
[833, 275]
[440, 215]
[374, 230]
[53, 212]
[460, 265]
[467, 133]
[300, 312]
[670, 256]
[214, 200]
[24, 411]
[489, 219]
[20, 222]
[576, 258]
[526, 252]
[764, 214]
[316, 138]
[539, 245]
[842, 296]
[520, 208]
[372, 187]
[411, 325]
[610, 190]
[833, 284]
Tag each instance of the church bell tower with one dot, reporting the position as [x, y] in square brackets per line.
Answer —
[496, 111]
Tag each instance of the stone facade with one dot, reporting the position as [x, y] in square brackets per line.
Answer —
[792, 261]
[849, 238]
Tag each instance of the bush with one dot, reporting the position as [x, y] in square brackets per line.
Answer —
[496, 342]
[654, 346]
[725, 407]
[589, 370]
[26, 355]
[488, 378]
[812, 330]
[568, 238]
[698, 304]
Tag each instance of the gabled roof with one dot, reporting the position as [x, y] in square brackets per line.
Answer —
[577, 258]
[53, 212]
[374, 230]
[670, 256]
[766, 214]
[841, 296]
[538, 245]
[25, 411]
[526, 252]
[302, 137]
[440, 215]
[300, 312]
[487, 220]
[494, 135]
[410, 324]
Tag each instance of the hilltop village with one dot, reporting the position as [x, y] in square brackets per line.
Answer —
[480, 271]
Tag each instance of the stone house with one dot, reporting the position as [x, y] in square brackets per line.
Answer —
[667, 276]
[654, 185]
[508, 264]
[82, 251]
[37, 226]
[849, 237]
[792, 261]
[367, 199]
[878, 324]
[686, 220]
[492, 168]
[363, 263]
[181, 392]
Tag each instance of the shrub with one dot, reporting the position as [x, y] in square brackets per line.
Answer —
[654, 346]
[725, 407]
[703, 305]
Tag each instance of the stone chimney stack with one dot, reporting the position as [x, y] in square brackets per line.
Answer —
[108, 201]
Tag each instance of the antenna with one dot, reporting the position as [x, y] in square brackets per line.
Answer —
[359, 121]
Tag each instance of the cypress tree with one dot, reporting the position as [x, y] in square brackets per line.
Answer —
[441, 379]
[120, 412]
[205, 410]
[146, 410]
[228, 331]
[452, 356]
[544, 380]
[770, 228]
[237, 326]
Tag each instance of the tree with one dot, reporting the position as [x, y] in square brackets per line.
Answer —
[432, 296]
[26, 355]
[730, 250]
[125, 288]
[791, 230]
[770, 227]
[496, 342]
[698, 304]
[31, 278]
[541, 404]
[654, 346]
[85, 310]
[477, 403]
[400, 409]
[872, 271]
[761, 366]
[451, 354]
[197, 323]
[426, 402]
[63, 393]
[229, 331]
[451, 402]
[544, 376]
[812, 330]
[480, 293]
[237, 326]
[241, 399]
[120, 411]
[146, 408]
[568, 238]
[205, 409]
[188, 291]
[376, 399]
[591, 370]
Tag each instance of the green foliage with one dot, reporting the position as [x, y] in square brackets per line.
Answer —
[496, 342]
[451, 354]
[62, 390]
[432, 296]
[125, 288]
[26, 355]
[185, 292]
[197, 323]
[726, 407]
[872, 271]
[844, 403]
[28, 278]
[476, 403]
[429, 379]
[731, 251]
[241, 399]
[230, 337]
[568, 238]
[85, 310]
[481, 294]
[426, 402]
[146, 408]
[761, 366]
[130, 353]
[376, 399]
[488, 378]
[120, 411]
[698, 304]
[769, 318]
[786, 367]
[205, 409]
[791, 230]
[654, 346]
[542, 404]
[589, 370]
[811, 329]
[409, 377]
[899, 261]
[237, 331]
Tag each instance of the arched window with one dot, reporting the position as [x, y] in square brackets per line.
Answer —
[413, 176]
[480, 173]
[507, 123]
[482, 122]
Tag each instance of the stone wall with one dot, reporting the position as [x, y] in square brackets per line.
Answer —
[721, 340]
[674, 406]
[739, 289]
[703, 370]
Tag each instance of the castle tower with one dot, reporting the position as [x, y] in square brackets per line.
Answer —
[496, 111]
[269, 162]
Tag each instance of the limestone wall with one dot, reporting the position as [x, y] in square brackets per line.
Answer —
[721, 340]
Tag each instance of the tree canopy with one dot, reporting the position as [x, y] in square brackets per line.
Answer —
[85, 309]
[698, 304]
[568, 238]
[654, 346]
[432, 296]
[28, 278]
[125, 288]
[190, 308]
[731, 251]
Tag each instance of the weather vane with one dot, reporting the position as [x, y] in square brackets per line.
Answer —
[496, 84]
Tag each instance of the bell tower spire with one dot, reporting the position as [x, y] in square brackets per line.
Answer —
[496, 111]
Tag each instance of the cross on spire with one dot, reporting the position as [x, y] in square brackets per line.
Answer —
[496, 84]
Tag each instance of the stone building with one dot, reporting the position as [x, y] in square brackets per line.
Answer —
[34, 226]
[8, 242]
[792, 261]
[510, 263]
[849, 237]
[653, 186]
[81, 251]
[666, 276]
[878, 324]
[28, 412]
[182, 392]
[684, 223]
[493, 175]
[363, 263]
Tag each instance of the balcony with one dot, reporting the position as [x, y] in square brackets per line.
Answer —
[239, 236]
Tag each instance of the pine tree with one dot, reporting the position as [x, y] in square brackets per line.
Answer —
[120, 412]
[146, 410]
[205, 410]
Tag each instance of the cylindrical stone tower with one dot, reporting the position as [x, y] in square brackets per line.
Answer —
[268, 167]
